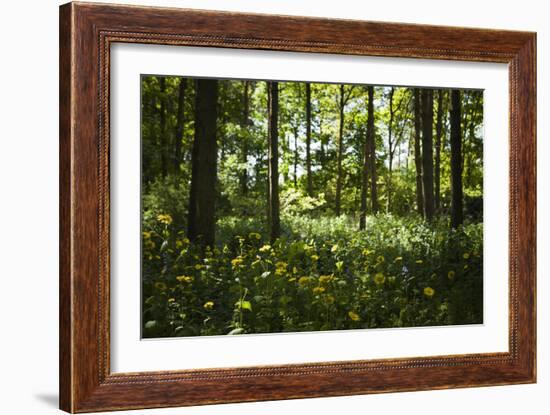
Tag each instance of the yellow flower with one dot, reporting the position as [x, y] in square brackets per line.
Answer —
[147, 234]
[323, 279]
[237, 262]
[419, 261]
[354, 316]
[185, 278]
[334, 248]
[281, 265]
[304, 280]
[318, 290]
[160, 285]
[429, 292]
[294, 270]
[466, 255]
[451, 275]
[329, 299]
[366, 252]
[265, 248]
[380, 258]
[164, 218]
[314, 257]
[254, 235]
[379, 279]
[397, 259]
[209, 305]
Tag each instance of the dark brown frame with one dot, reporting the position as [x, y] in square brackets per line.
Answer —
[86, 33]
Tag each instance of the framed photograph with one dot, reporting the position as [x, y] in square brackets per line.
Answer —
[259, 207]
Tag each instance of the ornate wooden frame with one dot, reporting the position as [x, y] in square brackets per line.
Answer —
[86, 33]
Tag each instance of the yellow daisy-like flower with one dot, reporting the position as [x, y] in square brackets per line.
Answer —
[147, 234]
[304, 280]
[160, 285]
[366, 252]
[329, 299]
[451, 274]
[379, 279]
[429, 292]
[164, 218]
[466, 255]
[318, 290]
[324, 279]
[265, 248]
[354, 316]
[237, 262]
[380, 258]
[209, 305]
[185, 278]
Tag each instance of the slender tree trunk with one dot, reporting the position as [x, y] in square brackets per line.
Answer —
[202, 197]
[417, 152]
[180, 121]
[427, 153]
[243, 179]
[340, 153]
[163, 138]
[296, 157]
[390, 154]
[456, 161]
[438, 134]
[308, 140]
[364, 183]
[273, 159]
[371, 139]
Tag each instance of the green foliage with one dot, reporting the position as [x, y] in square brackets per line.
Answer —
[399, 272]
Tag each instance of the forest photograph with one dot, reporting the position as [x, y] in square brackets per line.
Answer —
[282, 206]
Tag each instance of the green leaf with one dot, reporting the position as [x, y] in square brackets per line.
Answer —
[244, 305]
[151, 324]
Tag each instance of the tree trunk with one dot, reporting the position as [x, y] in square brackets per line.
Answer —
[162, 115]
[427, 153]
[243, 179]
[417, 152]
[296, 157]
[308, 140]
[364, 183]
[273, 160]
[390, 153]
[180, 121]
[456, 161]
[202, 197]
[438, 134]
[340, 153]
[371, 139]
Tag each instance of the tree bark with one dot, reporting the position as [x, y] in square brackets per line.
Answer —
[371, 139]
[202, 197]
[427, 153]
[180, 121]
[417, 152]
[273, 160]
[243, 179]
[438, 134]
[340, 147]
[390, 153]
[456, 160]
[308, 140]
[163, 138]
[364, 182]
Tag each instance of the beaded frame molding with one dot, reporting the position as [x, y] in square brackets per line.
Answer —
[86, 33]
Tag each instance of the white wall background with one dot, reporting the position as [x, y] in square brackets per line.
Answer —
[29, 205]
